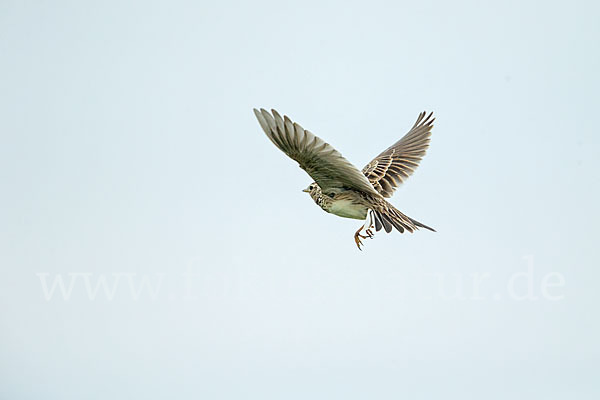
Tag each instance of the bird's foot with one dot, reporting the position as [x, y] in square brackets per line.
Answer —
[358, 236]
[358, 241]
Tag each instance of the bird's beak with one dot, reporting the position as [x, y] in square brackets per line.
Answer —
[306, 190]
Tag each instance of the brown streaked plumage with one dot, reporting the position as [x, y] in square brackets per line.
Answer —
[394, 165]
[339, 187]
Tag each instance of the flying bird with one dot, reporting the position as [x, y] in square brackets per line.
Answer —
[339, 187]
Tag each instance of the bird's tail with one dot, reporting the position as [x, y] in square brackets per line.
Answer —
[391, 217]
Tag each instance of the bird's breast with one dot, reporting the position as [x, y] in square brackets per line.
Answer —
[347, 208]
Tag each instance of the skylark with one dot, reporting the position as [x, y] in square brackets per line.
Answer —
[339, 187]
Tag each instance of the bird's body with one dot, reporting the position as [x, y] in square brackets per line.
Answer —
[345, 203]
[341, 189]
[348, 205]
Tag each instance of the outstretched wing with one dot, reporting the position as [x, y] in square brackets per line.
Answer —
[319, 159]
[391, 168]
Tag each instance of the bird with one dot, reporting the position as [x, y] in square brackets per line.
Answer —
[342, 189]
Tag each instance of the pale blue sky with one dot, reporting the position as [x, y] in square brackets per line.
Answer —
[128, 146]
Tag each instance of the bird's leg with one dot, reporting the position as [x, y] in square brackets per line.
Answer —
[369, 236]
[357, 237]
[370, 226]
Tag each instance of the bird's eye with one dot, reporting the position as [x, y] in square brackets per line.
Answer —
[311, 187]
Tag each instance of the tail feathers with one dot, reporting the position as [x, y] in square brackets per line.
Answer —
[383, 221]
[387, 222]
[394, 218]
[421, 225]
[377, 219]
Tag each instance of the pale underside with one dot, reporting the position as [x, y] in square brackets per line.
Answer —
[348, 209]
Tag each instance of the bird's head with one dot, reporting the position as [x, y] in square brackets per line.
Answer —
[314, 190]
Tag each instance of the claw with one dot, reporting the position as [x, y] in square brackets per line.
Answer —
[357, 240]
[368, 231]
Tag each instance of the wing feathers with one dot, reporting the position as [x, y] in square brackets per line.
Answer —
[391, 168]
[318, 158]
